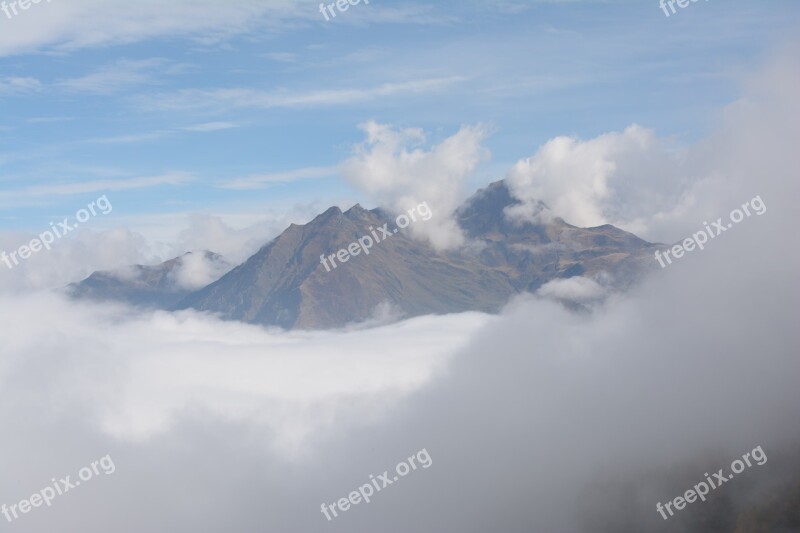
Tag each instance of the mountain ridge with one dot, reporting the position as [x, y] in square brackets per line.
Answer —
[284, 284]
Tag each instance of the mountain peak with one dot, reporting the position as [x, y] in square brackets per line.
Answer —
[356, 211]
[330, 212]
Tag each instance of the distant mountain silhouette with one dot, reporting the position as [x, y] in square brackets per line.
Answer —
[156, 286]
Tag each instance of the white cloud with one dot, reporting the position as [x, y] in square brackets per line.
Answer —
[294, 383]
[235, 238]
[131, 138]
[123, 74]
[653, 188]
[64, 26]
[190, 99]
[577, 289]
[283, 57]
[197, 269]
[105, 244]
[86, 23]
[260, 181]
[67, 189]
[616, 178]
[212, 126]
[48, 120]
[395, 170]
[19, 85]
[206, 127]
[72, 258]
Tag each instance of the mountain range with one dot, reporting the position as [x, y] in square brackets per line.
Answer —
[284, 284]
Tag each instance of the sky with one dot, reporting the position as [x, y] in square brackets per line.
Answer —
[247, 109]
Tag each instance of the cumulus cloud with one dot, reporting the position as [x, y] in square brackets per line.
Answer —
[652, 186]
[616, 178]
[395, 168]
[198, 269]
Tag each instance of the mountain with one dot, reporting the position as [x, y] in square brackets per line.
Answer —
[284, 284]
[535, 253]
[159, 286]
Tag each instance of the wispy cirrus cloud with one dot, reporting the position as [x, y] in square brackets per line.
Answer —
[132, 138]
[48, 120]
[77, 24]
[260, 181]
[212, 126]
[282, 57]
[121, 75]
[68, 189]
[89, 23]
[189, 99]
[205, 127]
[19, 85]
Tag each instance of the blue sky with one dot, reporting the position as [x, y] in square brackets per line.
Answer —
[168, 109]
